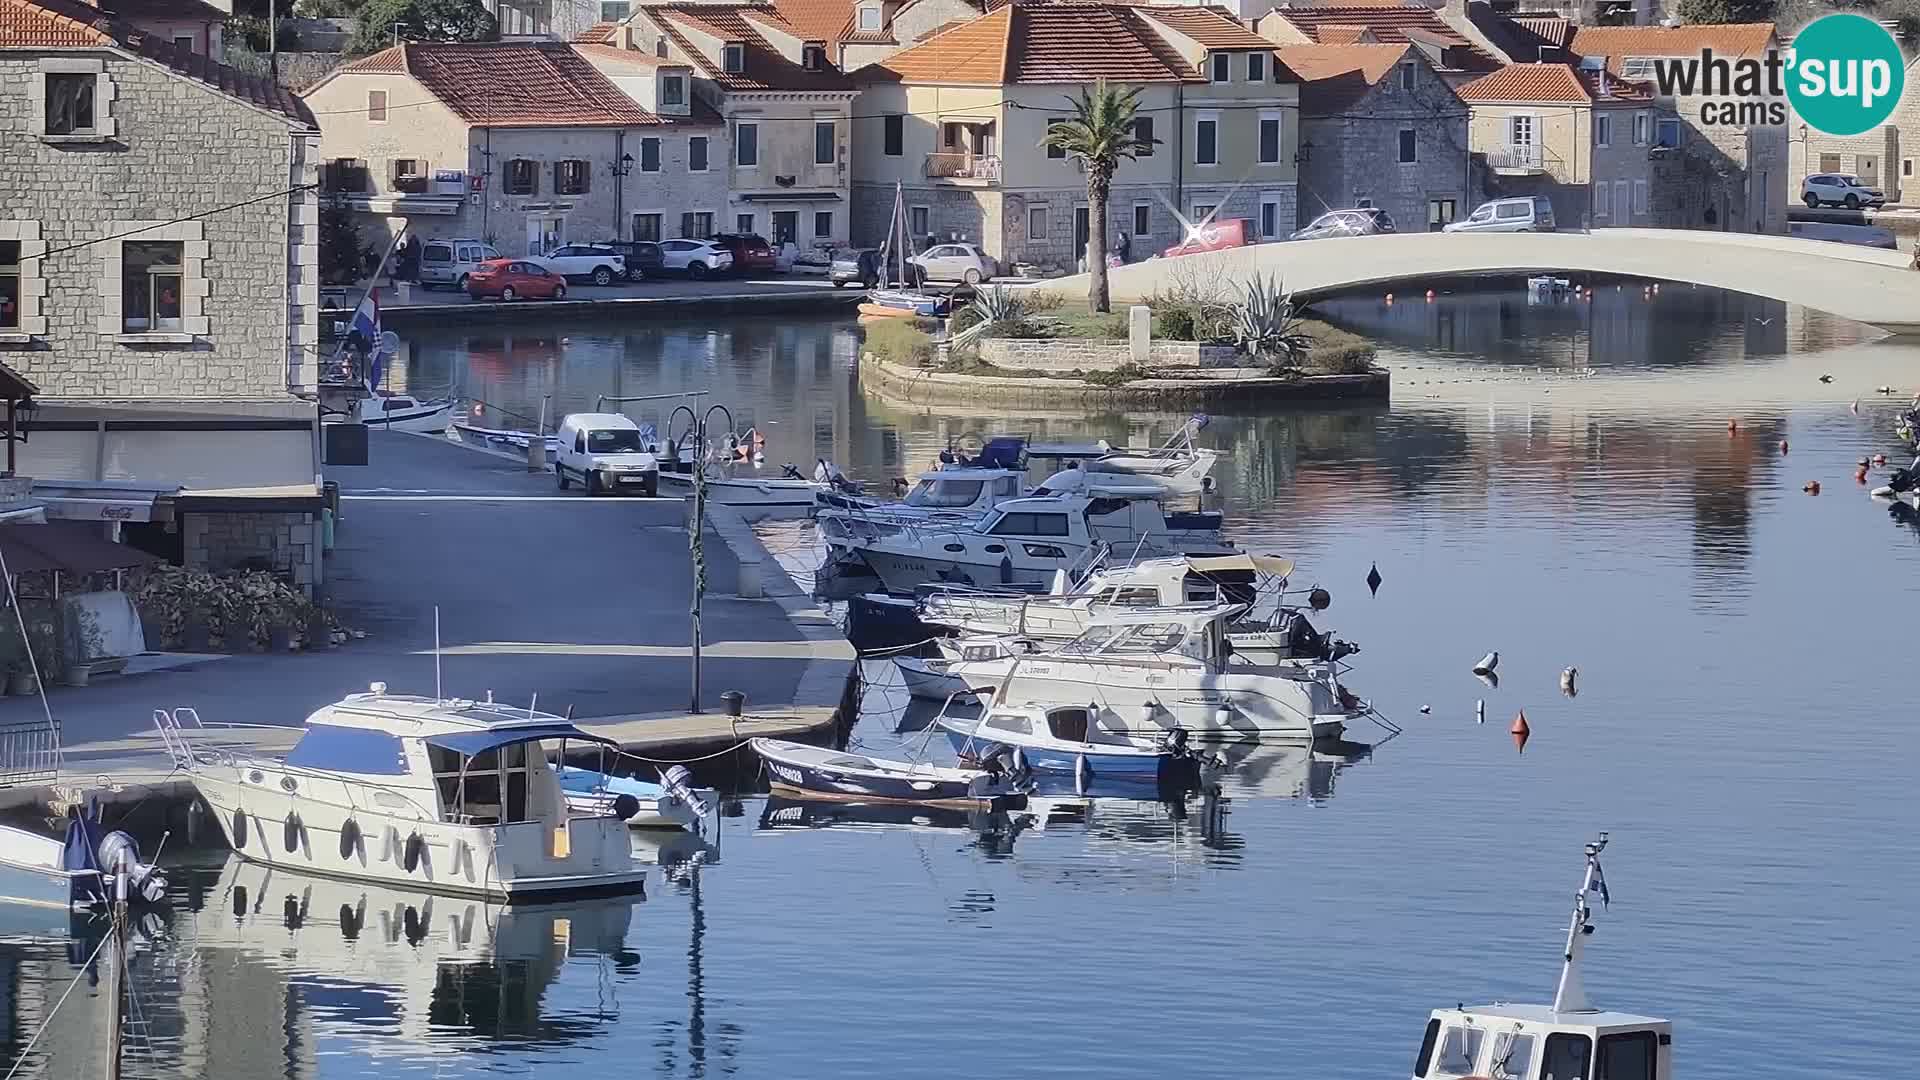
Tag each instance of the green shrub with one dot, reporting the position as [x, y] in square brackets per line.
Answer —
[899, 341]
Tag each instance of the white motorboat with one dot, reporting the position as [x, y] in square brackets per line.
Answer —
[443, 795]
[927, 677]
[511, 440]
[1569, 1038]
[1145, 673]
[642, 804]
[1178, 466]
[1022, 542]
[387, 411]
[743, 484]
[961, 489]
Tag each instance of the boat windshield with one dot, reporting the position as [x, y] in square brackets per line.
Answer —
[945, 494]
[615, 441]
[1154, 639]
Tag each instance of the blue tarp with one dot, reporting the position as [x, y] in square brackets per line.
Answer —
[479, 742]
[349, 750]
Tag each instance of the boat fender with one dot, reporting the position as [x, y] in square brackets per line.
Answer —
[239, 829]
[349, 923]
[239, 901]
[413, 925]
[1019, 760]
[416, 847]
[1082, 775]
[349, 839]
[290, 913]
[625, 806]
[292, 831]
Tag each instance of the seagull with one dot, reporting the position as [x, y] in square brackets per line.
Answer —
[1763, 322]
[1826, 378]
[1425, 709]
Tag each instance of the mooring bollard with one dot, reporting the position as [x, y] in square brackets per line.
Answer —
[733, 703]
[536, 454]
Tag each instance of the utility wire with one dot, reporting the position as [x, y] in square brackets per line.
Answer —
[190, 217]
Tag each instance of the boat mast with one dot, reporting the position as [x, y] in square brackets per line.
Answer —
[1571, 995]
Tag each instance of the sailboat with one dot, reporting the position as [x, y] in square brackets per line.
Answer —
[900, 300]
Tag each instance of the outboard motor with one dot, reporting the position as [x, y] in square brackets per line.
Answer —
[1904, 479]
[1175, 741]
[119, 851]
[678, 784]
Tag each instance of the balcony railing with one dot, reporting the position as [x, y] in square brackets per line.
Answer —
[410, 185]
[1517, 158]
[964, 166]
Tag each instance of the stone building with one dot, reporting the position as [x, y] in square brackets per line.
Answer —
[957, 122]
[1883, 157]
[526, 144]
[862, 32]
[158, 247]
[1454, 55]
[1380, 127]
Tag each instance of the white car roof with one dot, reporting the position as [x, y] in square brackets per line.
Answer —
[600, 421]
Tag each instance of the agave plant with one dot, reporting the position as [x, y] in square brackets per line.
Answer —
[1264, 326]
[997, 306]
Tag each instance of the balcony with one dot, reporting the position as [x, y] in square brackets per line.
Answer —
[964, 166]
[411, 185]
[1517, 159]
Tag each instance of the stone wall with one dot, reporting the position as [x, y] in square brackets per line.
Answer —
[287, 543]
[1355, 155]
[174, 149]
[1074, 354]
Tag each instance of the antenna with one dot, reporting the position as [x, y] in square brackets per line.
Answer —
[1571, 995]
[532, 705]
[436, 654]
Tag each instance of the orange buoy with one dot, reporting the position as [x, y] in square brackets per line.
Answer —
[1520, 731]
[1783, 446]
[1860, 474]
[1812, 487]
[1429, 294]
[1879, 459]
[1733, 427]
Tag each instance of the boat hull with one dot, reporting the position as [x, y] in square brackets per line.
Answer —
[783, 492]
[1149, 767]
[793, 779]
[927, 680]
[429, 417]
[1211, 707]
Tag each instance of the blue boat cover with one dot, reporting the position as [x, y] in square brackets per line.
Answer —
[587, 781]
[1003, 452]
[349, 750]
[479, 742]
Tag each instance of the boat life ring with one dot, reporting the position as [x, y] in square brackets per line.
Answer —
[349, 839]
[416, 847]
[292, 832]
[239, 829]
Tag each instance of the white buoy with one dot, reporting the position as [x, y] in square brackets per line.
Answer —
[1425, 709]
[1567, 678]
[1480, 711]
[1487, 664]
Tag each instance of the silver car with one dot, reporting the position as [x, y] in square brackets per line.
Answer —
[1527, 214]
[1360, 221]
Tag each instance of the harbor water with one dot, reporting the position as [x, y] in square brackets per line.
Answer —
[1613, 484]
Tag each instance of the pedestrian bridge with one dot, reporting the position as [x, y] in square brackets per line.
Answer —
[1869, 285]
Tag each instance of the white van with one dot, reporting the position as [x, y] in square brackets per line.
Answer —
[1531, 213]
[605, 452]
[448, 262]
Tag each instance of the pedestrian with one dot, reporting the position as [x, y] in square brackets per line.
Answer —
[1125, 248]
[410, 259]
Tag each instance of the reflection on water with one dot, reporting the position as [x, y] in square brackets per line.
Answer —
[1740, 729]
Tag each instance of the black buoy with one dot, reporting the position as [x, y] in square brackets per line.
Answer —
[290, 913]
[1373, 579]
[414, 926]
[1319, 599]
[239, 901]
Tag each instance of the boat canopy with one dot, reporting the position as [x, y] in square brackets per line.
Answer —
[471, 743]
[1265, 564]
[336, 748]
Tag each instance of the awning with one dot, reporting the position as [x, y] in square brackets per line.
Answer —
[790, 196]
[350, 750]
[1265, 564]
[479, 742]
[72, 546]
[104, 501]
[20, 557]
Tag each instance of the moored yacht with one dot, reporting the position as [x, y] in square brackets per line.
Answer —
[442, 795]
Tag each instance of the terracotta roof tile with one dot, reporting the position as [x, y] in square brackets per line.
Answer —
[599, 33]
[630, 57]
[1344, 35]
[1547, 83]
[198, 10]
[972, 53]
[1619, 42]
[1616, 89]
[389, 61]
[513, 83]
[1334, 77]
[1550, 29]
[766, 68]
[1388, 25]
[27, 24]
[1208, 27]
[817, 20]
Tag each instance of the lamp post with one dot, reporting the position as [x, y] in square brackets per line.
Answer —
[620, 168]
[696, 520]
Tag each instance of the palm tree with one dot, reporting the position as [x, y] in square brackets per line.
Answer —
[1101, 133]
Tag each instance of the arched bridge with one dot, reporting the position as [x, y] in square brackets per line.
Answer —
[1869, 285]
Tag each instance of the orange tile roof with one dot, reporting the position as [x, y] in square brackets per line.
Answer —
[1387, 25]
[972, 53]
[1551, 29]
[1545, 83]
[816, 20]
[1343, 35]
[631, 57]
[766, 68]
[1052, 43]
[1208, 27]
[61, 24]
[598, 33]
[512, 83]
[1333, 77]
[1619, 42]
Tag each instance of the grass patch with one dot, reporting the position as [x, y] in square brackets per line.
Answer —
[900, 341]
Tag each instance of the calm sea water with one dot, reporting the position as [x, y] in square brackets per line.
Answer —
[1557, 482]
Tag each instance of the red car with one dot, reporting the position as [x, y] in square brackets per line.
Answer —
[1216, 235]
[513, 279]
[751, 253]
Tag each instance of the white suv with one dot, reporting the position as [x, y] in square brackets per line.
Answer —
[602, 266]
[1839, 189]
[605, 452]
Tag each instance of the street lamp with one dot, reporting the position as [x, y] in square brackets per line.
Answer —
[696, 548]
[623, 166]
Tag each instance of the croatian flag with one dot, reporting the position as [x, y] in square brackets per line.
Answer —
[1597, 882]
[366, 323]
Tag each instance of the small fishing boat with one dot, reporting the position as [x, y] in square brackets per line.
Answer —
[1569, 1038]
[510, 439]
[670, 804]
[388, 411]
[1065, 739]
[72, 874]
[1178, 466]
[443, 795]
[905, 304]
[796, 770]
[927, 677]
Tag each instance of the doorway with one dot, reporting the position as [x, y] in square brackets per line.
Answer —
[1082, 231]
[1269, 217]
[786, 226]
[545, 234]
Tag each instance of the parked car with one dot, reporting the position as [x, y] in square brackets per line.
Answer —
[750, 252]
[1839, 189]
[590, 262]
[605, 452]
[859, 266]
[1531, 213]
[956, 262]
[695, 258]
[1359, 221]
[643, 257]
[1215, 235]
[515, 279]
[448, 262]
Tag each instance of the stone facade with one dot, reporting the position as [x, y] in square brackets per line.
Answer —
[1073, 354]
[288, 544]
[1353, 156]
[249, 293]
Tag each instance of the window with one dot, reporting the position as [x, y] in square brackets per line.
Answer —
[1269, 218]
[1256, 67]
[376, 106]
[70, 103]
[1602, 130]
[813, 57]
[409, 175]
[184, 43]
[1520, 130]
[893, 134]
[615, 10]
[823, 224]
[743, 223]
[1637, 67]
[697, 226]
[1459, 1050]
[1023, 524]
[1269, 139]
[823, 145]
[646, 227]
[869, 18]
[1409, 148]
[1142, 218]
[1640, 198]
[1600, 207]
[1427, 1042]
[1667, 132]
[522, 177]
[734, 58]
[150, 281]
[1202, 212]
[9, 285]
[1512, 1056]
[696, 153]
[573, 176]
[660, 48]
[673, 90]
[1206, 147]
[1566, 1057]
[1829, 163]
[1406, 76]
[1906, 166]
[918, 224]
[1222, 67]
[1053, 151]
[1143, 134]
[1642, 127]
[746, 145]
[1440, 212]
[1631, 1056]
[346, 175]
[1037, 223]
[650, 154]
[1514, 209]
